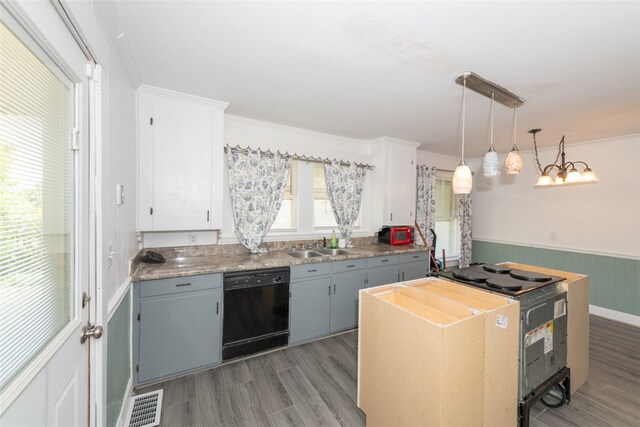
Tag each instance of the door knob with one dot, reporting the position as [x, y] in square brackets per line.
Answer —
[90, 331]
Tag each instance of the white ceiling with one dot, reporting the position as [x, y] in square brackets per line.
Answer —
[371, 69]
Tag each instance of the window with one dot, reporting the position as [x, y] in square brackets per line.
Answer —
[446, 217]
[36, 200]
[322, 211]
[287, 216]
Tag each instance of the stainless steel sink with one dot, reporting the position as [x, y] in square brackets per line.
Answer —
[334, 252]
[304, 254]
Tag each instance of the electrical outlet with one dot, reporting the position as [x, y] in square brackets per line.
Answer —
[193, 238]
[110, 255]
[119, 194]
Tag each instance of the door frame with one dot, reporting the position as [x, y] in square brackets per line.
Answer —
[34, 18]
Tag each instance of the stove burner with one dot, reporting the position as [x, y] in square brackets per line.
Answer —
[529, 276]
[492, 268]
[470, 274]
[503, 283]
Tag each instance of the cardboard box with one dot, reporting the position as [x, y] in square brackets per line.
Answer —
[577, 288]
[424, 358]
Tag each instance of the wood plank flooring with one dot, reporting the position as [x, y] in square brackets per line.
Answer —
[314, 384]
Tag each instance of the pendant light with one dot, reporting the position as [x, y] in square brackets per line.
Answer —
[491, 162]
[462, 180]
[513, 162]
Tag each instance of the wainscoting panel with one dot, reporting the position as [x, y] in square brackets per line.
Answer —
[615, 282]
[118, 363]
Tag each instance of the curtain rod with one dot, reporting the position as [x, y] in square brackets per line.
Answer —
[295, 156]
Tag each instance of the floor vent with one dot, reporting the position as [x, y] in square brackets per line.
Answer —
[145, 409]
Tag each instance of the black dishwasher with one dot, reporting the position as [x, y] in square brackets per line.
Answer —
[256, 311]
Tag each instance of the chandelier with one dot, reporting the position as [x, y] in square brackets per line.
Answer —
[565, 171]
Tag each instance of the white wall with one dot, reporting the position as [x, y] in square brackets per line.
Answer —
[601, 218]
[440, 161]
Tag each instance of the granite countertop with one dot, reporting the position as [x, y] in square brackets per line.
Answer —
[223, 262]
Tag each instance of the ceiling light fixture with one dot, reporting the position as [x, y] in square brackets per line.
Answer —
[491, 162]
[566, 171]
[513, 162]
[462, 180]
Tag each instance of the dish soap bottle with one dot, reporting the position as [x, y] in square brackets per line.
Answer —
[333, 243]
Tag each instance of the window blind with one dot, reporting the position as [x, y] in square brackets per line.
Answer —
[36, 200]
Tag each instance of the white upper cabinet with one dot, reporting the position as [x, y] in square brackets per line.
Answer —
[180, 161]
[399, 202]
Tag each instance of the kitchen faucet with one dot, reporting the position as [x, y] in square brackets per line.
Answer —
[317, 243]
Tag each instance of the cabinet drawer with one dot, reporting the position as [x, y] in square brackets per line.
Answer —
[175, 285]
[383, 260]
[414, 256]
[349, 265]
[309, 270]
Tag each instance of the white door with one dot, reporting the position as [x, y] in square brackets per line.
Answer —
[44, 132]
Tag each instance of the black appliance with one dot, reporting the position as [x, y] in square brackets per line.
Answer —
[256, 311]
[543, 326]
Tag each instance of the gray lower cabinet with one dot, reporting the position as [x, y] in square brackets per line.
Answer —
[177, 325]
[414, 265]
[309, 308]
[344, 301]
[383, 270]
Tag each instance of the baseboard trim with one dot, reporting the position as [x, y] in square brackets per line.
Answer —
[618, 316]
[124, 409]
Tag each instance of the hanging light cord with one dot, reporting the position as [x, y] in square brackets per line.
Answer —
[491, 114]
[515, 121]
[535, 150]
[464, 86]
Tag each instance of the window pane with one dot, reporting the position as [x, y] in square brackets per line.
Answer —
[287, 217]
[36, 202]
[322, 212]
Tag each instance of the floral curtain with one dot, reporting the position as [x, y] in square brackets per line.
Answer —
[464, 218]
[426, 202]
[256, 181]
[344, 185]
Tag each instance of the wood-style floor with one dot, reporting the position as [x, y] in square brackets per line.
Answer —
[315, 385]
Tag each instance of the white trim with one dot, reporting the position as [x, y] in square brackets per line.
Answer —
[153, 90]
[618, 316]
[114, 302]
[559, 248]
[124, 409]
[33, 368]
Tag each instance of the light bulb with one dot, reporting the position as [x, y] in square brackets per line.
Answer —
[462, 180]
[544, 180]
[573, 176]
[513, 162]
[491, 164]
[558, 180]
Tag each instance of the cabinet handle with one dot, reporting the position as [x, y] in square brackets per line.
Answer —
[334, 288]
[384, 260]
[312, 271]
[403, 275]
[416, 256]
[391, 217]
[217, 307]
[398, 277]
[329, 290]
[351, 266]
[207, 216]
[183, 284]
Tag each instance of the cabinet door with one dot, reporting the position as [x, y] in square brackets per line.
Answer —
[383, 275]
[181, 166]
[344, 299]
[309, 309]
[178, 333]
[414, 270]
[401, 185]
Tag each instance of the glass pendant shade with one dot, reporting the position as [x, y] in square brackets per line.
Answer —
[513, 162]
[544, 180]
[462, 180]
[491, 164]
[589, 176]
[573, 176]
[558, 180]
